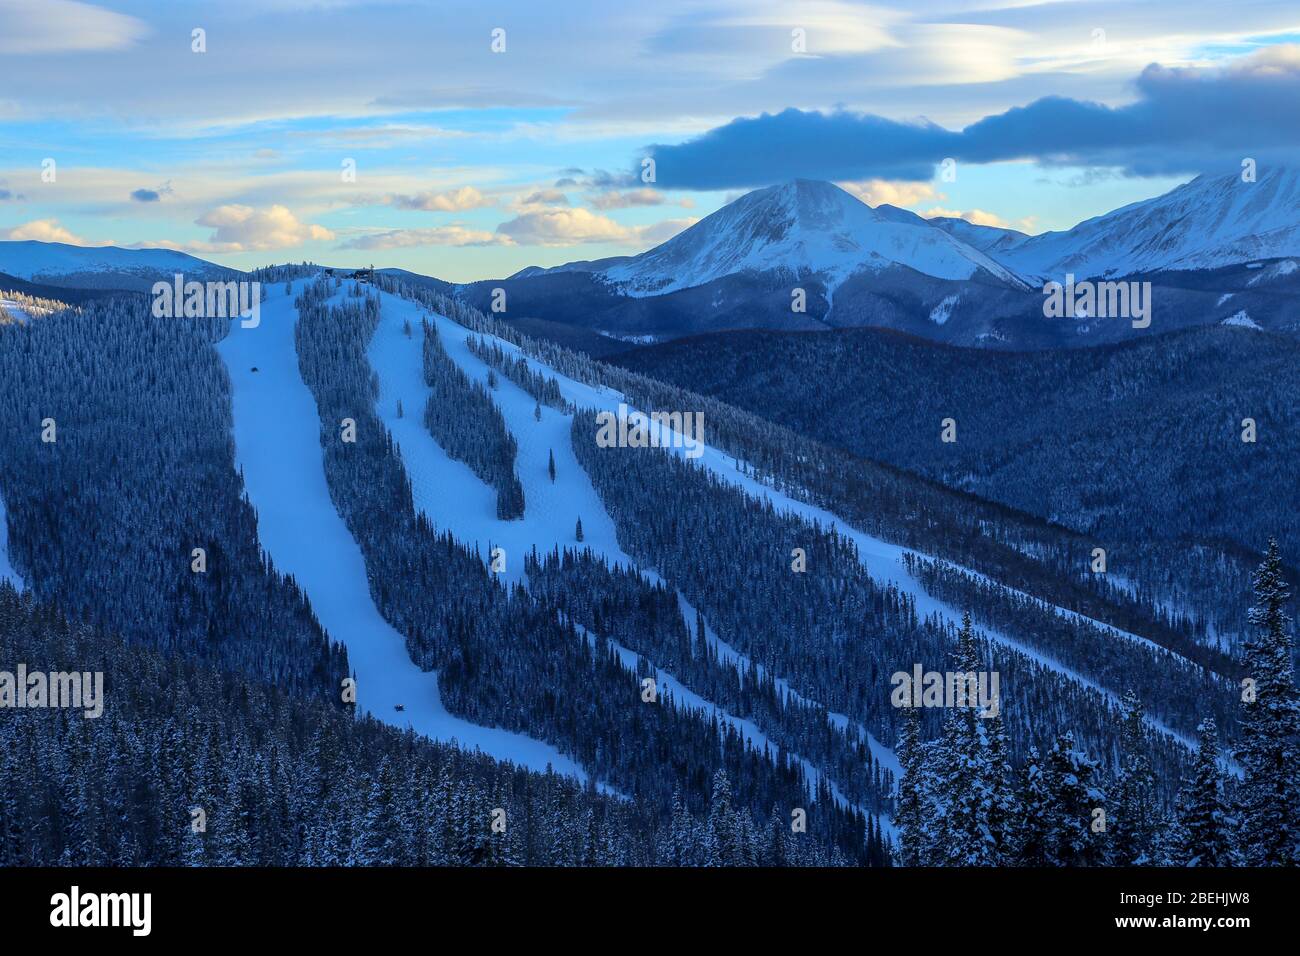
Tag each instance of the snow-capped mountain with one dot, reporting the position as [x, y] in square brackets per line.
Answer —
[1207, 223]
[99, 267]
[993, 240]
[804, 227]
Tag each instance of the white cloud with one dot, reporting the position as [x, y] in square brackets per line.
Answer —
[978, 217]
[570, 227]
[624, 200]
[453, 200]
[64, 26]
[873, 192]
[237, 228]
[438, 236]
[46, 230]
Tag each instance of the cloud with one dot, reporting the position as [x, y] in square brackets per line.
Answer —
[544, 197]
[237, 228]
[439, 236]
[874, 192]
[978, 217]
[64, 26]
[46, 230]
[453, 200]
[569, 227]
[628, 199]
[562, 227]
[152, 195]
[1184, 120]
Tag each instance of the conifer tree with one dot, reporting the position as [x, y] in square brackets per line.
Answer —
[1204, 823]
[1269, 796]
[1133, 821]
[909, 817]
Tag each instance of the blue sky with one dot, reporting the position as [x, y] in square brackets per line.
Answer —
[471, 162]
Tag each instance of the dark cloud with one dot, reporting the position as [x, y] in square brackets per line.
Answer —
[146, 195]
[1182, 121]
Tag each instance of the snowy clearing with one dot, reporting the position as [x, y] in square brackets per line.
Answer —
[277, 446]
[882, 560]
[455, 499]
[7, 570]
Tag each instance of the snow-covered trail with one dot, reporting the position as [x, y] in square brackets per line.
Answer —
[13, 308]
[683, 697]
[7, 570]
[277, 446]
[742, 663]
[447, 490]
[883, 561]
[455, 499]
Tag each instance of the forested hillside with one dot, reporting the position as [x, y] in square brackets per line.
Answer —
[123, 500]
[1137, 448]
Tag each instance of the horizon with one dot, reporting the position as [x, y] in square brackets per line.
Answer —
[472, 145]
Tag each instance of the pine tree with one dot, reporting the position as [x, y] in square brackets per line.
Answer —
[1204, 824]
[550, 465]
[722, 838]
[577, 532]
[909, 817]
[1269, 796]
[537, 412]
[1071, 779]
[1034, 831]
[966, 775]
[1133, 822]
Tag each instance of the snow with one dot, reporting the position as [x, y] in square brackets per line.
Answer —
[448, 491]
[455, 499]
[668, 687]
[32, 260]
[1277, 270]
[1241, 318]
[7, 570]
[801, 227]
[742, 663]
[14, 310]
[883, 561]
[942, 312]
[277, 448]
[1207, 223]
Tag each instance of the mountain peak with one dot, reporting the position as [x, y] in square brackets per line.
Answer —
[803, 227]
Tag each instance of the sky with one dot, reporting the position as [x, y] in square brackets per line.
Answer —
[469, 140]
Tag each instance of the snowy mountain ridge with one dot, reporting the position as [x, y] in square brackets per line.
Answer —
[61, 264]
[802, 227]
[1208, 223]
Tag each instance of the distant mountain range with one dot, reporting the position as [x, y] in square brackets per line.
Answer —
[1216, 250]
[807, 256]
[56, 264]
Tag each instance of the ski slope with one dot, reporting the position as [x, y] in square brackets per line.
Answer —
[16, 312]
[455, 499]
[277, 448]
[447, 490]
[7, 570]
[882, 560]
